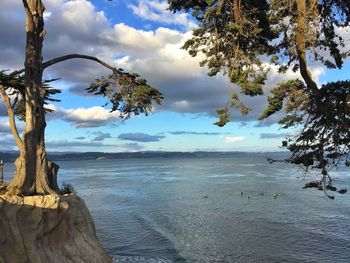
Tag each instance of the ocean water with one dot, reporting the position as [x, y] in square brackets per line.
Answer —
[192, 210]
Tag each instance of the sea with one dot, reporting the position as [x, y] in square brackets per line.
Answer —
[211, 209]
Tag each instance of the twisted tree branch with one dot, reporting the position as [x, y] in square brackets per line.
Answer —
[115, 71]
[11, 115]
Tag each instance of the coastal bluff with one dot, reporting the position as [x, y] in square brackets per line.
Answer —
[49, 228]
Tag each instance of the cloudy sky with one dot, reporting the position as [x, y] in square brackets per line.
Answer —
[141, 36]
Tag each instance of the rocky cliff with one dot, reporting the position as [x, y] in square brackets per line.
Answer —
[49, 228]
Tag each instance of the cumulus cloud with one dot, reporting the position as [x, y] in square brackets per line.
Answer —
[84, 117]
[157, 11]
[234, 139]
[78, 27]
[140, 137]
[5, 126]
[178, 75]
[7, 144]
[12, 32]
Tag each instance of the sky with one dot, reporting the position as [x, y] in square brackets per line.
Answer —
[140, 36]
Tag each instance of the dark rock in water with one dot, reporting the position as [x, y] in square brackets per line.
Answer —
[342, 191]
[275, 195]
[49, 228]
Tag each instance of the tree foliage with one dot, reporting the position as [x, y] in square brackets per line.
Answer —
[324, 123]
[320, 32]
[240, 38]
[127, 93]
[232, 35]
[13, 83]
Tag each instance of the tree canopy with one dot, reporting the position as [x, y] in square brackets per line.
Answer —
[242, 38]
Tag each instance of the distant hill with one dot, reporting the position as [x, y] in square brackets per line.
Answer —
[65, 156]
[8, 156]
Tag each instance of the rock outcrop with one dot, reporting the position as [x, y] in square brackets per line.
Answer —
[45, 229]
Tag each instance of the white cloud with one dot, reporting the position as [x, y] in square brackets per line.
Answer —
[85, 117]
[157, 11]
[47, 15]
[5, 126]
[81, 15]
[7, 144]
[6, 139]
[234, 139]
[156, 55]
[77, 27]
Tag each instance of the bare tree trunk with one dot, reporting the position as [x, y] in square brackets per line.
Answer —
[32, 171]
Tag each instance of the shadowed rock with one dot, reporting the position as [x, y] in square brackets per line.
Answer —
[48, 228]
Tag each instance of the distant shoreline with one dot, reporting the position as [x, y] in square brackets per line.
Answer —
[72, 156]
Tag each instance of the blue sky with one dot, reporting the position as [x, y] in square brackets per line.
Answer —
[140, 36]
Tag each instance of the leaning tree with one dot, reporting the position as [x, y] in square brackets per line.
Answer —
[25, 94]
[240, 38]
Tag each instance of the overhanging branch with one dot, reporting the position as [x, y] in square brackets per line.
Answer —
[116, 72]
[73, 56]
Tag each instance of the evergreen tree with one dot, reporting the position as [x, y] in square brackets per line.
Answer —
[237, 36]
[25, 94]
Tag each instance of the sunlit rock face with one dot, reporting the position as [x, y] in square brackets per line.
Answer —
[49, 228]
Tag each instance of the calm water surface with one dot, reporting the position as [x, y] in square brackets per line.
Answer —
[192, 210]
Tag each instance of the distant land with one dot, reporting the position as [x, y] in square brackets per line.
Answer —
[10, 156]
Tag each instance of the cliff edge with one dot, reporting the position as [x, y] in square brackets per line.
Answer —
[49, 228]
